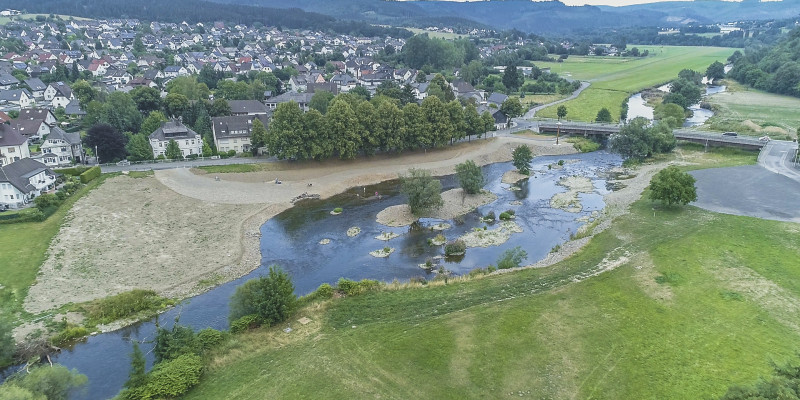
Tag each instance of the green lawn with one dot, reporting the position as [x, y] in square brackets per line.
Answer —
[24, 249]
[754, 112]
[222, 169]
[693, 302]
[438, 35]
[614, 79]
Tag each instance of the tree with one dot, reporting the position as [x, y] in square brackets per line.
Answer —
[603, 115]
[176, 104]
[109, 141]
[715, 71]
[672, 186]
[173, 151]
[152, 122]
[474, 72]
[51, 383]
[423, 191]
[137, 375]
[120, 111]
[511, 107]
[361, 92]
[147, 99]
[138, 148]
[269, 297]
[230, 90]
[440, 88]
[522, 157]
[470, 177]
[488, 122]
[343, 129]
[667, 110]
[389, 127]
[512, 78]
[219, 108]
[631, 141]
[561, 111]
[258, 136]
[365, 113]
[208, 151]
[472, 120]
[284, 138]
[189, 87]
[320, 101]
[437, 129]
[7, 345]
[84, 92]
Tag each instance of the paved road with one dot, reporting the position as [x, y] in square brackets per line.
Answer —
[532, 112]
[769, 190]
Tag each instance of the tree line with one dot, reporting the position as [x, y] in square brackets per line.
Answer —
[773, 69]
[353, 125]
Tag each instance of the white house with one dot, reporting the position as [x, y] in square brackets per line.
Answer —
[188, 140]
[61, 148]
[59, 94]
[23, 180]
[19, 98]
[233, 133]
[13, 146]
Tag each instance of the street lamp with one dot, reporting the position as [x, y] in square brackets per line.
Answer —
[558, 130]
[96, 155]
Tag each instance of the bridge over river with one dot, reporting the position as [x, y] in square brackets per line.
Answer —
[605, 130]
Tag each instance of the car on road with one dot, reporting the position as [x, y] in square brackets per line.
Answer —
[123, 163]
[730, 134]
[764, 139]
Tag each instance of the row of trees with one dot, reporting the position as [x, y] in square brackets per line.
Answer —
[771, 68]
[352, 125]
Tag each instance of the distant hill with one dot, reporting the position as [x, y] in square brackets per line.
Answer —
[539, 17]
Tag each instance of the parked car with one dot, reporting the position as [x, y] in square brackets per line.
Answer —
[123, 163]
[730, 134]
[764, 139]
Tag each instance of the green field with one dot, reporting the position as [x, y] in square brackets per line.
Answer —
[692, 302]
[438, 35]
[24, 249]
[614, 79]
[5, 20]
[750, 111]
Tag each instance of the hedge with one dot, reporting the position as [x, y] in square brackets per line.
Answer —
[90, 174]
[72, 171]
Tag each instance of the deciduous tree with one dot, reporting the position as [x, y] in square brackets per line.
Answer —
[470, 177]
[522, 157]
[672, 186]
[110, 142]
[269, 297]
[423, 191]
[173, 151]
[561, 111]
[138, 148]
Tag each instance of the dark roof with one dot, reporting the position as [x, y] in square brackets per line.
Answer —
[35, 84]
[10, 136]
[19, 172]
[62, 89]
[223, 126]
[71, 138]
[173, 129]
[247, 106]
[497, 98]
[74, 108]
[13, 95]
[8, 79]
[300, 98]
[34, 113]
[325, 87]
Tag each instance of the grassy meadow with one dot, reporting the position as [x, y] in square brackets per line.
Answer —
[614, 78]
[665, 304]
[749, 111]
[438, 35]
[24, 249]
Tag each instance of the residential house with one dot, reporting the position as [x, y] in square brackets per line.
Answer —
[497, 99]
[37, 87]
[302, 99]
[173, 71]
[16, 98]
[326, 87]
[8, 81]
[247, 107]
[345, 82]
[233, 133]
[501, 120]
[74, 110]
[62, 148]
[13, 146]
[23, 180]
[58, 94]
[188, 140]
[38, 113]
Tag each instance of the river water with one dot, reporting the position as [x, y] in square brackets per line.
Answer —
[291, 240]
[638, 107]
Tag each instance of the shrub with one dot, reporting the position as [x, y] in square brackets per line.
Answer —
[512, 258]
[505, 216]
[352, 288]
[324, 291]
[46, 200]
[61, 195]
[209, 338]
[192, 157]
[52, 383]
[455, 247]
[90, 174]
[161, 157]
[172, 343]
[489, 216]
[68, 334]
[270, 297]
[245, 323]
[511, 212]
[124, 305]
[560, 162]
[423, 191]
[338, 210]
[169, 379]
[231, 153]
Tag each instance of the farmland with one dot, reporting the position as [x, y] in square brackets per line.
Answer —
[614, 79]
[754, 112]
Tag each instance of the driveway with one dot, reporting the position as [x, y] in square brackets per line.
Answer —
[769, 190]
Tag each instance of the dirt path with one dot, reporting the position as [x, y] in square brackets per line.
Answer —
[182, 231]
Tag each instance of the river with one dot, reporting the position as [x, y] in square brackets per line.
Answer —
[291, 240]
[638, 107]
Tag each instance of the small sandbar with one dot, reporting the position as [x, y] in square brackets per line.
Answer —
[324, 241]
[569, 201]
[386, 236]
[439, 240]
[456, 203]
[513, 176]
[442, 226]
[491, 237]
[515, 203]
[335, 212]
[354, 231]
[382, 253]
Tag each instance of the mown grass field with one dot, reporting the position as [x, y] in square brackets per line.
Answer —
[6, 20]
[764, 111]
[691, 302]
[24, 249]
[614, 79]
[438, 35]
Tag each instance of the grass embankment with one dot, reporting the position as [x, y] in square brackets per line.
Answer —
[25, 249]
[753, 112]
[614, 78]
[692, 302]
[231, 168]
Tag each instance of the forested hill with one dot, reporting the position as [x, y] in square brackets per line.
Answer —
[772, 68]
[201, 11]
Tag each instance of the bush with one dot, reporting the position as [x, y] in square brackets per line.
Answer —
[161, 157]
[72, 171]
[505, 216]
[90, 174]
[46, 200]
[673, 186]
[192, 157]
[489, 216]
[338, 210]
[245, 323]
[423, 191]
[512, 258]
[68, 334]
[231, 153]
[124, 305]
[324, 291]
[209, 338]
[352, 288]
[52, 383]
[455, 247]
[169, 379]
[270, 297]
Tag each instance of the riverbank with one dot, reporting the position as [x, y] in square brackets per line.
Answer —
[182, 232]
